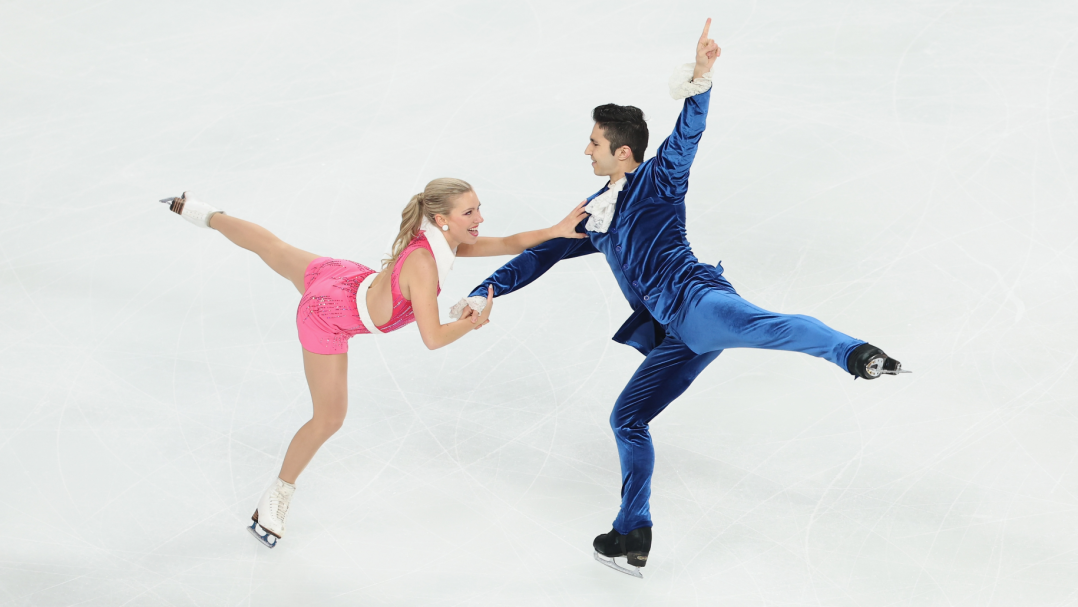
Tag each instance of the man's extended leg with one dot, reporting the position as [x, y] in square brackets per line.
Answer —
[721, 319]
[663, 376]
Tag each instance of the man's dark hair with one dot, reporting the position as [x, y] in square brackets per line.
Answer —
[623, 125]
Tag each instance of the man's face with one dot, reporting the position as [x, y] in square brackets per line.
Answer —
[603, 162]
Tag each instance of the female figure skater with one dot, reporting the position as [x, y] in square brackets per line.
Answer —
[342, 298]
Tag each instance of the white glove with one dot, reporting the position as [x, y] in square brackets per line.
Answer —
[474, 302]
[683, 85]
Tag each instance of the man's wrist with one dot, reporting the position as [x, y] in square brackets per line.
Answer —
[688, 80]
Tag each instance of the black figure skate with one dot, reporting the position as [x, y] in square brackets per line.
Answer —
[634, 547]
[870, 362]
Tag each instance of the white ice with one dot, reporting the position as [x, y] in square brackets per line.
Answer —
[904, 171]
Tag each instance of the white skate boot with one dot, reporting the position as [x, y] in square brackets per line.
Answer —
[268, 518]
[195, 211]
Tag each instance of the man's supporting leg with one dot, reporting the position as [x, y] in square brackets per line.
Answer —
[663, 376]
[719, 320]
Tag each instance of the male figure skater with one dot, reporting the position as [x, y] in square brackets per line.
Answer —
[685, 312]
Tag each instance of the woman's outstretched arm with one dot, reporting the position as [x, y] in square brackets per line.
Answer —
[419, 283]
[518, 243]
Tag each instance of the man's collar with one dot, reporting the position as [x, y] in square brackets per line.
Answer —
[628, 176]
[601, 206]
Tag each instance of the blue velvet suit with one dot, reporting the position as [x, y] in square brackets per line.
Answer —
[685, 312]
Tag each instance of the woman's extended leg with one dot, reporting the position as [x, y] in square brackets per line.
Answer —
[281, 257]
[327, 378]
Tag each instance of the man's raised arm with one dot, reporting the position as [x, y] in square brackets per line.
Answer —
[674, 157]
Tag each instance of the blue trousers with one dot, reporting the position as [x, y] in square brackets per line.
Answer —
[715, 320]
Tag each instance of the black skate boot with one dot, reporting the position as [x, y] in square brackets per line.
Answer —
[870, 362]
[634, 547]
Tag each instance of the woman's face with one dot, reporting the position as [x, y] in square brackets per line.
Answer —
[463, 220]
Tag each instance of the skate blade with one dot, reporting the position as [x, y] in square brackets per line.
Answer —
[627, 570]
[262, 537]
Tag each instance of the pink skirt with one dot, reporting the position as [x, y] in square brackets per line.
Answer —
[327, 316]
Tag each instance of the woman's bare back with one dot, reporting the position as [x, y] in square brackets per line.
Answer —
[380, 294]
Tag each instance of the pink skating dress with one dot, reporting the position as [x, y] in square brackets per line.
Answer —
[328, 314]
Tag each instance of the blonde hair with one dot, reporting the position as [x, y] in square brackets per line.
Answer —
[438, 198]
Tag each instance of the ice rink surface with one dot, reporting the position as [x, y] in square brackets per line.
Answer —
[904, 171]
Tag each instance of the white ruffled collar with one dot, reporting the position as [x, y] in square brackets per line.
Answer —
[443, 253]
[602, 206]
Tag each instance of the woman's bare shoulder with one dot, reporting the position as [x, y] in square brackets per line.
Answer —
[420, 265]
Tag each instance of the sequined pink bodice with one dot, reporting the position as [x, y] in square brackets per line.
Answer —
[402, 308]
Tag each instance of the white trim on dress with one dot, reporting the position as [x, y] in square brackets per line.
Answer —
[361, 304]
[443, 254]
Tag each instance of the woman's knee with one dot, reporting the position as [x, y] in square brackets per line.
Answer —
[328, 424]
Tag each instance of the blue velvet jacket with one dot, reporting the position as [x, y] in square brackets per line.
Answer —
[646, 246]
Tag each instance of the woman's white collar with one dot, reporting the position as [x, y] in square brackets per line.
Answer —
[443, 253]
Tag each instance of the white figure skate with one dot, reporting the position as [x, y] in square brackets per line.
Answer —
[268, 519]
[195, 211]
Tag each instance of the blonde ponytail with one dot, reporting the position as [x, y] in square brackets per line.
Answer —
[438, 198]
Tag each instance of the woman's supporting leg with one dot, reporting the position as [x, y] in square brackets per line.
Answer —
[281, 257]
[327, 377]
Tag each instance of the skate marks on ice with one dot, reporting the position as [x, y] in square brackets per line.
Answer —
[953, 489]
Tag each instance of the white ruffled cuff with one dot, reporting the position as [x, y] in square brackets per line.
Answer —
[683, 85]
[475, 302]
